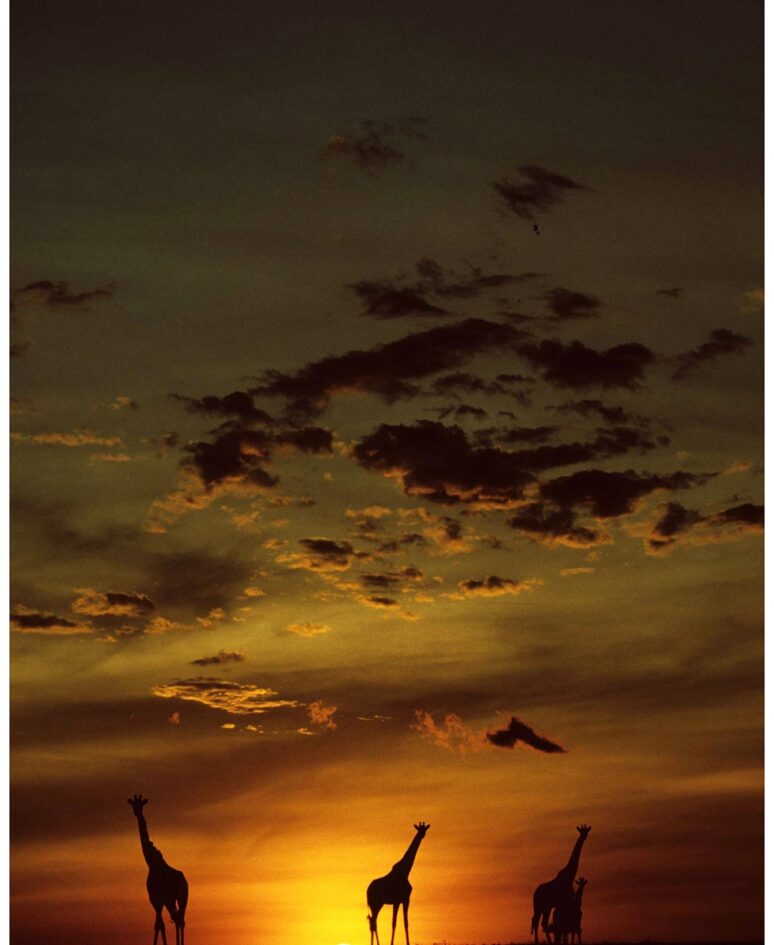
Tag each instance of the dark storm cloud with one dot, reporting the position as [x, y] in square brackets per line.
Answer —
[387, 369]
[492, 586]
[222, 656]
[745, 514]
[463, 382]
[374, 146]
[541, 190]
[391, 580]
[613, 441]
[604, 495]
[542, 523]
[112, 603]
[59, 295]
[564, 304]
[439, 463]
[323, 555]
[675, 519]
[236, 404]
[27, 620]
[509, 436]
[608, 443]
[446, 283]
[519, 731]
[459, 412]
[407, 540]
[675, 292]
[374, 600]
[612, 494]
[721, 341]
[575, 365]
[587, 408]
[239, 455]
[675, 522]
[384, 300]
[398, 298]
[328, 550]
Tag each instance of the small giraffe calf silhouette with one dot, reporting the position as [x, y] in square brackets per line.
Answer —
[567, 919]
[394, 889]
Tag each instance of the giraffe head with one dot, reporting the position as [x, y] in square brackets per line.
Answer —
[580, 883]
[421, 829]
[583, 830]
[137, 802]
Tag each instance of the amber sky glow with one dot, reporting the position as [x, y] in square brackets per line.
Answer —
[326, 464]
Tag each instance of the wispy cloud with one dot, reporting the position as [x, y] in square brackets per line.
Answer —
[538, 192]
[376, 145]
[111, 603]
[322, 714]
[720, 342]
[225, 695]
[48, 294]
[73, 438]
[308, 629]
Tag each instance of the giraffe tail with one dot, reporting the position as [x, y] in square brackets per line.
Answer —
[371, 922]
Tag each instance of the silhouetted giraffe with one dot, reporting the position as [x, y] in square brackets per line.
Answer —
[576, 914]
[167, 887]
[394, 889]
[558, 892]
[566, 923]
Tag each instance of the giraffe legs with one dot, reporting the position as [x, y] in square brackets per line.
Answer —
[372, 920]
[159, 927]
[395, 908]
[544, 917]
[405, 919]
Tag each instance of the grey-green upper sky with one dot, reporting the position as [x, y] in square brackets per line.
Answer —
[382, 373]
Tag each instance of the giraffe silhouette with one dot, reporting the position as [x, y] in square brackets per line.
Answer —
[394, 889]
[558, 892]
[576, 913]
[566, 924]
[167, 887]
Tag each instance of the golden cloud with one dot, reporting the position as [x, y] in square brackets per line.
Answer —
[225, 695]
[308, 629]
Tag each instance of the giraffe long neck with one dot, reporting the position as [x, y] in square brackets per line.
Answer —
[579, 896]
[407, 861]
[147, 847]
[571, 869]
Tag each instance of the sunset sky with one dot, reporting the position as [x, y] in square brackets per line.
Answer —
[383, 372]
